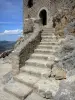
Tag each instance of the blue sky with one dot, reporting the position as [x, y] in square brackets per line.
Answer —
[11, 19]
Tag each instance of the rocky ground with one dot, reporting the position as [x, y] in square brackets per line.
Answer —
[64, 24]
[5, 76]
[5, 69]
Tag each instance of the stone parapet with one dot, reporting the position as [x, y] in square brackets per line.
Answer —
[30, 25]
[24, 50]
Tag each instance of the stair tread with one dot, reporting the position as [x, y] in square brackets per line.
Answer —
[6, 96]
[44, 49]
[37, 70]
[48, 43]
[27, 78]
[42, 55]
[47, 46]
[37, 61]
[44, 45]
[49, 36]
[35, 96]
[39, 54]
[51, 33]
[19, 90]
[48, 40]
[45, 85]
[48, 30]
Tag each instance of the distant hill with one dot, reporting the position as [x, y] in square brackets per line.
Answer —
[6, 45]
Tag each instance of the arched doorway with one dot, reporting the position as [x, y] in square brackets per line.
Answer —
[43, 16]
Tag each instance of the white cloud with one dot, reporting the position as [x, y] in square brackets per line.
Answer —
[9, 32]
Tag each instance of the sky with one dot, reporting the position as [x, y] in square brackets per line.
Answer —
[11, 19]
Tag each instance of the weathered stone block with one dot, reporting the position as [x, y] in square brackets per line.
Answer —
[58, 73]
[29, 26]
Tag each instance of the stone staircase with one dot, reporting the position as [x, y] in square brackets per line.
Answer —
[35, 73]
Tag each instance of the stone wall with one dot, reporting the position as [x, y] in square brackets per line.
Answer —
[62, 19]
[51, 6]
[24, 50]
[64, 4]
[29, 26]
[38, 6]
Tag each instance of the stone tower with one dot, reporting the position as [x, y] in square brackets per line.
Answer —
[42, 9]
[38, 9]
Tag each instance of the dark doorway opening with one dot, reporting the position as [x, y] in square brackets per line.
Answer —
[30, 3]
[43, 16]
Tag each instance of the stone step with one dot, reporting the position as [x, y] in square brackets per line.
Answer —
[36, 71]
[41, 56]
[48, 34]
[48, 37]
[36, 62]
[6, 96]
[48, 43]
[49, 40]
[46, 51]
[47, 46]
[48, 29]
[17, 89]
[35, 96]
[25, 78]
[47, 87]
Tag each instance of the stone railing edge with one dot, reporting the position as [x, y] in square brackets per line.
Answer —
[23, 51]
